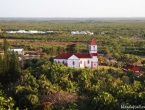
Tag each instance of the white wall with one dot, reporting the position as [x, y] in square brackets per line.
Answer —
[95, 61]
[60, 60]
[93, 48]
[20, 51]
[76, 63]
[85, 60]
[74, 59]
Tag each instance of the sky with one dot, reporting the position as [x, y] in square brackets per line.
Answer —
[72, 8]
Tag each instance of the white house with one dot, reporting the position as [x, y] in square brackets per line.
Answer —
[11, 32]
[80, 60]
[82, 32]
[20, 51]
[21, 31]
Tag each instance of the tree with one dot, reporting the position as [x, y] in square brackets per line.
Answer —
[60, 50]
[101, 60]
[29, 101]
[1, 63]
[9, 68]
[6, 103]
[72, 48]
[104, 101]
[5, 45]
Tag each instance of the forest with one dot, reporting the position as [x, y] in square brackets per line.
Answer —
[40, 84]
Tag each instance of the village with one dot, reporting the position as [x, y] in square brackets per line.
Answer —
[93, 59]
[72, 68]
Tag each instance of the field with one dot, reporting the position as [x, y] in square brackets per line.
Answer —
[1, 40]
[107, 67]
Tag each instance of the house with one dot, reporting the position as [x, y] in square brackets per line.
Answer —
[75, 32]
[11, 32]
[29, 57]
[132, 68]
[32, 31]
[21, 31]
[80, 60]
[20, 51]
[82, 32]
[32, 55]
[90, 33]
[104, 32]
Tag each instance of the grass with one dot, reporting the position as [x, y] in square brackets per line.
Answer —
[1, 40]
[107, 67]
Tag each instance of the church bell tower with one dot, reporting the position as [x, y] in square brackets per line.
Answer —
[93, 46]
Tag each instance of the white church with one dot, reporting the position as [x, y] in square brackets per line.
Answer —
[80, 60]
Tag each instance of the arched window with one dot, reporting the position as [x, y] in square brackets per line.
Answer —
[81, 62]
[73, 63]
[88, 61]
[94, 47]
[63, 62]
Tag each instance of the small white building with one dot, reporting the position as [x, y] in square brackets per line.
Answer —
[11, 32]
[82, 32]
[33, 32]
[80, 60]
[20, 51]
[21, 31]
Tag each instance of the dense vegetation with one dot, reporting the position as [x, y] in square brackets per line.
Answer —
[125, 36]
[44, 85]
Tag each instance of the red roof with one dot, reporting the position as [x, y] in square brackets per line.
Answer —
[132, 67]
[93, 42]
[79, 55]
[67, 55]
[94, 54]
[64, 56]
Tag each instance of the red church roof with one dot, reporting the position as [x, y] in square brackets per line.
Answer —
[94, 54]
[93, 42]
[80, 55]
[64, 56]
[67, 55]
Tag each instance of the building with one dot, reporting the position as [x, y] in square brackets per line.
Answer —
[20, 51]
[82, 32]
[80, 60]
[133, 68]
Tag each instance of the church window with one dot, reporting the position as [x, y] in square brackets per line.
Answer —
[73, 63]
[81, 62]
[63, 62]
[94, 47]
[88, 61]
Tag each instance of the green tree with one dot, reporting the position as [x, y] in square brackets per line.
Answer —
[72, 48]
[104, 101]
[10, 67]
[5, 45]
[6, 103]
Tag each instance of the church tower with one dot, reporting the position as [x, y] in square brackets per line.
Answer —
[93, 46]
